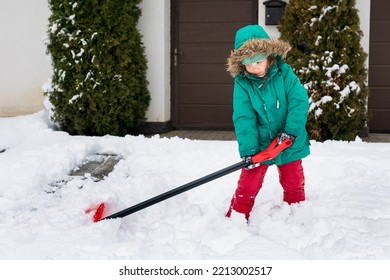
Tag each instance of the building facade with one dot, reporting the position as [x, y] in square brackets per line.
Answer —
[187, 79]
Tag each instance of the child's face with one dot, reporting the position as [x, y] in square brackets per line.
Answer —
[259, 68]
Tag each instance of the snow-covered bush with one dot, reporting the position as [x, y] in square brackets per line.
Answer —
[328, 58]
[99, 81]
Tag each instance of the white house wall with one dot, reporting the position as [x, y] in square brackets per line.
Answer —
[364, 8]
[24, 65]
[154, 24]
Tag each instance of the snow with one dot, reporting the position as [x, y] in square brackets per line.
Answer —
[346, 215]
[318, 104]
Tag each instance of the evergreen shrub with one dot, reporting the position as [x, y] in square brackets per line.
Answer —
[327, 56]
[99, 83]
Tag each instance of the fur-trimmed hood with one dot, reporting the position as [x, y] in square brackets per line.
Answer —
[251, 40]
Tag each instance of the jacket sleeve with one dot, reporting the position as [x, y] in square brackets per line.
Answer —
[245, 121]
[298, 104]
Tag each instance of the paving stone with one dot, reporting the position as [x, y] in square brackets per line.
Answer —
[229, 135]
[97, 166]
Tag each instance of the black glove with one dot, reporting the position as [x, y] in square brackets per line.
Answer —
[283, 136]
[248, 159]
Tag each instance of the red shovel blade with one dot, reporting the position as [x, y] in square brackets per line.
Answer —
[98, 212]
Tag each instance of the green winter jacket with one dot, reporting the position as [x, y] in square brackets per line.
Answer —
[265, 106]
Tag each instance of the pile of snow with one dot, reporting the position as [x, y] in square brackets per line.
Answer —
[346, 214]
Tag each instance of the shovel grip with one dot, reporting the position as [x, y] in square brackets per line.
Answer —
[272, 151]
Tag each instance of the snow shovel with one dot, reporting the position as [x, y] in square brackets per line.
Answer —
[270, 152]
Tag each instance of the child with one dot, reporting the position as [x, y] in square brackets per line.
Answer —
[269, 101]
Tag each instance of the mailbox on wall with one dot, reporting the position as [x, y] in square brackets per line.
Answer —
[274, 10]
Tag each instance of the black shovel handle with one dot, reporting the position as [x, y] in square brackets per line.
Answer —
[269, 153]
[177, 191]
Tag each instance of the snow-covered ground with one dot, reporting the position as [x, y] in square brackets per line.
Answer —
[346, 215]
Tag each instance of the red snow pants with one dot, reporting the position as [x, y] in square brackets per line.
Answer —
[291, 177]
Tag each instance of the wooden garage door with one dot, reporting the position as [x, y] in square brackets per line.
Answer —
[203, 37]
[379, 67]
